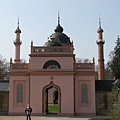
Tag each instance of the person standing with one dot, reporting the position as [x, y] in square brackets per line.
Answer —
[28, 111]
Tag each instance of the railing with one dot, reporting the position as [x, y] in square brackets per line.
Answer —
[84, 66]
[17, 41]
[100, 40]
[51, 49]
[19, 66]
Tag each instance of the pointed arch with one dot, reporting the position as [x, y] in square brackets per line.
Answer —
[45, 97]
[84, 90]
[19, 93]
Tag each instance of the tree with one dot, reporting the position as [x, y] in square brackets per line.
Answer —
[4, 67]
[114, 63]
[23, 61]
[114, 98]
[108, 72]
[82, 60]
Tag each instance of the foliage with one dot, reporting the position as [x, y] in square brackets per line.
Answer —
[114, 100]
[4, 67]
[113, 96]
[115, 112]
[114, 63]
[82, 60]
[23, 61]
[100, 119]
[108, 72]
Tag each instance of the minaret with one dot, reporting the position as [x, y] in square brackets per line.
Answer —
[100, 42]
[17, 44]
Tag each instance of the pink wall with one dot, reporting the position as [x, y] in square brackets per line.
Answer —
[66, 92]
[87, 109]
[17, 108]
[38, 62]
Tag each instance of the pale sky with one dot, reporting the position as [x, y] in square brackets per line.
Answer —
[79, 18]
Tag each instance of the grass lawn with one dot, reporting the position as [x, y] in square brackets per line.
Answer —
[53, 108]
[100, 119]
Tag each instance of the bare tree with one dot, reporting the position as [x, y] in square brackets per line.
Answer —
[4, 68]
[82, 60]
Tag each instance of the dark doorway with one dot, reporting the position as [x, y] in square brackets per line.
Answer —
[51, 99]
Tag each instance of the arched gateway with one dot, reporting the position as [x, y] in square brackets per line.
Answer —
[45, 97]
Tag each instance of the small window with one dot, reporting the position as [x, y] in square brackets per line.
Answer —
[84, 93]
[19, 93]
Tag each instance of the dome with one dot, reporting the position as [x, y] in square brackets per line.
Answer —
[100, 30]
[52, 43]
[58, 28]
[18, 30]
[61, 38]
[58, 38]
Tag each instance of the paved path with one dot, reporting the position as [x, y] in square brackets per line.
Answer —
[47, 118]
[42, 118]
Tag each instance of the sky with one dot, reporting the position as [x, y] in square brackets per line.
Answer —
[79, 19]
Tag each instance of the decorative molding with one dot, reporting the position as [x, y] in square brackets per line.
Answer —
[52, 55]
[84, 65]
[51, 78]
[51, 49]
[19, 66]
[86, 73]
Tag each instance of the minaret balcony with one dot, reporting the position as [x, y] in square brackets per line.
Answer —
[100, 41]
[16, 42]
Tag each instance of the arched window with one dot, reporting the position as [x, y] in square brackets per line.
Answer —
[19, 93]
[51, 65]
[84, 93]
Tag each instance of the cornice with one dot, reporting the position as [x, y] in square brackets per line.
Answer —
[34, 73]
[85, 73]
[38, 73]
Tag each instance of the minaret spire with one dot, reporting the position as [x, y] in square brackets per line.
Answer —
[18, 21]
[58, 17]
[18, 29]
[17, 44]
[99, 22]
[100, 28]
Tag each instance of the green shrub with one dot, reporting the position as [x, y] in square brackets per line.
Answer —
[115, 112]
[100, 119]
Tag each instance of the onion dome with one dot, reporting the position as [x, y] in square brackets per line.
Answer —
[58, 38]
[18, 29]
[58, 28]
[100, 29]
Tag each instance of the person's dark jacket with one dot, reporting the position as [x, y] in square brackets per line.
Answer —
[28, 110]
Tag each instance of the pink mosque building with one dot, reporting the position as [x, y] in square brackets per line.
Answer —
[52, 76]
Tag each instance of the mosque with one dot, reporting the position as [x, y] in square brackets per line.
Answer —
[52, 77]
